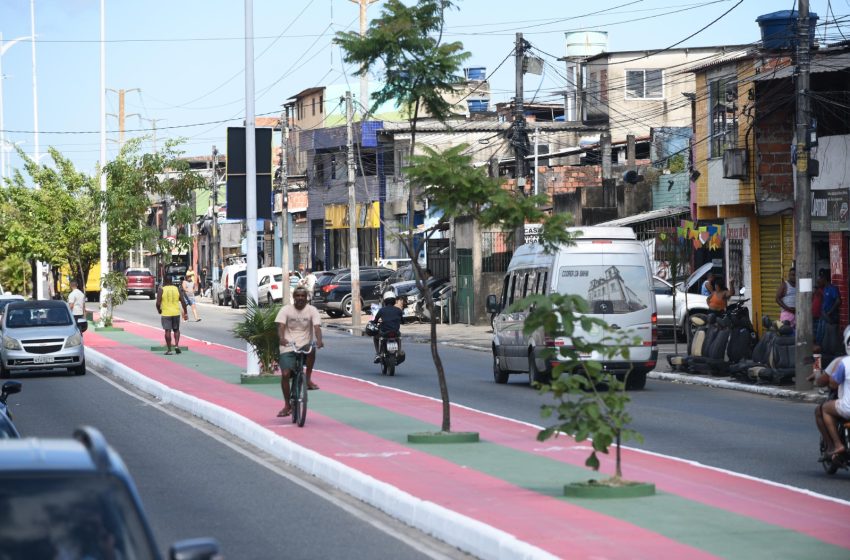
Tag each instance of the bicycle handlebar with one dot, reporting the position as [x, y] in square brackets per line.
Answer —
[303, 350]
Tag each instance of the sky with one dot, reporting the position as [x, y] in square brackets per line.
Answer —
[181, 62]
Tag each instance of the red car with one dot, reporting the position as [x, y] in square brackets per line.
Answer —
[140, 281]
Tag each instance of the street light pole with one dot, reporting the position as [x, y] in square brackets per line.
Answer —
[252, 366]
[104, 253]
[3, 48]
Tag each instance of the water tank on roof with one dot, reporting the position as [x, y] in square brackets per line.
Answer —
[779, 29]
[478, 105]
[586, 43]
[477, 73]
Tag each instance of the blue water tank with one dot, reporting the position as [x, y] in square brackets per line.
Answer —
[779, 29]
[478, 105]
[477, 73]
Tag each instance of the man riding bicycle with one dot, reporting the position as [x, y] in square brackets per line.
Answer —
[388, 318]
[300, 324]
[831, 412]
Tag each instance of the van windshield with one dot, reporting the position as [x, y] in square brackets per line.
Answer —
[608, 289]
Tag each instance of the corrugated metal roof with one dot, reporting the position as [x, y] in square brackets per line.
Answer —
[481, 126]
[820, 63]
[720, 60]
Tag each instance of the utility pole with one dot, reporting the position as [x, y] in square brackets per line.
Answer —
[284, 207]
[364, 79]
[536, 156]
[214, 240]
[803, 206]
[121, 116]
[153, 128]
[354, 259]
[519, 137]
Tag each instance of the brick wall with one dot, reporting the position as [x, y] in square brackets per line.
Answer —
[774, 129]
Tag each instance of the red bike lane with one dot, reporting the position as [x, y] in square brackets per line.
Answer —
[561, 527]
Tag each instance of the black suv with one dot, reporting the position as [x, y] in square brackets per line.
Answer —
[332, 292]
[74, 498]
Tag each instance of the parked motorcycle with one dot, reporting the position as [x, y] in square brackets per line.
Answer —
[441, 294]
[7, 427]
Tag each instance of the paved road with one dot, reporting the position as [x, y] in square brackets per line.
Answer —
[760, 436]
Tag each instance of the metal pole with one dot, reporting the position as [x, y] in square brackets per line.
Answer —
[364, 78]
[284, 209]
[353, 248]
[536, 149]
[3, 48]
[214, 244]
[803, 206]
[104, 253]
[252, 365]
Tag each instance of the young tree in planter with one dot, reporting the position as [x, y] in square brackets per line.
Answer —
[259, 329]
[419, 70]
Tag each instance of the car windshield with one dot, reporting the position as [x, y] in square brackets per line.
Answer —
[139, 273]
[37, 317]
[62, 516]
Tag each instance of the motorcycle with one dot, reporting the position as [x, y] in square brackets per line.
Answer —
[7, 427]
[441, 294]
[390, 354]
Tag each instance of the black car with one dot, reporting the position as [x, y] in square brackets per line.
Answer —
[74, 498]
[7, 427]
[239, 295]
[332, 292]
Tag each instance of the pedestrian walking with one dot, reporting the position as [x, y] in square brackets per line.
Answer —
[786, 298]
[76, 301]
[170, 306]
[189, 294]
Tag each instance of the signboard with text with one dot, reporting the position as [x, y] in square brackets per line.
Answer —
[830, 210]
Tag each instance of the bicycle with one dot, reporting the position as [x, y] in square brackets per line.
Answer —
[298, 385]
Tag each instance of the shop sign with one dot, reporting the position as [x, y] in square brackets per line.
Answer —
[830, 210]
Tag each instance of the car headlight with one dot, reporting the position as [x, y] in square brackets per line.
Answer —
[74, 340]
[10, 343]
[411, 299]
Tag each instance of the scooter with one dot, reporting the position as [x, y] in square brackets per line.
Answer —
[831, 464]
[390, 354]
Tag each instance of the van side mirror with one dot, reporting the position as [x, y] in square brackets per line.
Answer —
[742, 290]
[492, 304]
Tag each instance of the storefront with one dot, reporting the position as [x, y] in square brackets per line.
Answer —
[336, 231]
[775, 256]
[830, 224]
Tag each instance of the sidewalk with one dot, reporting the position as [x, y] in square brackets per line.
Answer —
[500, 498]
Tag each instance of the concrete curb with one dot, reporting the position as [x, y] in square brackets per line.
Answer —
[458, 530]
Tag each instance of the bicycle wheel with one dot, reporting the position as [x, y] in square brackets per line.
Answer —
[293, 396]
[300, 410]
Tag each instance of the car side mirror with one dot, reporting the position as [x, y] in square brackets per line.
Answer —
[742, 290]
[10, 388]
[492, 304]
[195, 549]
[82, 324]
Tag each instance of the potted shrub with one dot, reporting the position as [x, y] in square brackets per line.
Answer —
[259, 329]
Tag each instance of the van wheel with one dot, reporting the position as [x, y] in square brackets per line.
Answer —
[535, 376]
[636, 380]
[499, 376]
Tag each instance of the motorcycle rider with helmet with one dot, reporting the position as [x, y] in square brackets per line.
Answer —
[388, 319]
[831, 412]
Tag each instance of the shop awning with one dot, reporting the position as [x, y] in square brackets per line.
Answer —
[650, 216]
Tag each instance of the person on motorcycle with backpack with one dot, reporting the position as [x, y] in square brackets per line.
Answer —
[388, 319]
[831, 412]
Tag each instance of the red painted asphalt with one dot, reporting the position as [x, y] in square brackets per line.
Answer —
[528, 515]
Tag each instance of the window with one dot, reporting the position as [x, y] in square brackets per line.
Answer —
[321, 104]
[723, 104]
[644, 84]
[314, 106]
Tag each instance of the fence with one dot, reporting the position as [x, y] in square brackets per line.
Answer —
[497, 248]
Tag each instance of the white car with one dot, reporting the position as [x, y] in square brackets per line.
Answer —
[270, 284]
[664, 291]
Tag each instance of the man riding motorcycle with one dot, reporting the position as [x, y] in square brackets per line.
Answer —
[388, 320]
[831, 412]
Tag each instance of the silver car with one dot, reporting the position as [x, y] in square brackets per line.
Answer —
[41, 335]
[664, 293]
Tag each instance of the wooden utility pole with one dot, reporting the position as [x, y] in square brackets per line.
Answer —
[214, 243]
[803, 206]
[122, 116]
[354, 251]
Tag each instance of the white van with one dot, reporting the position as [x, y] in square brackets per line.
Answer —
[610, 269]
[221, 291]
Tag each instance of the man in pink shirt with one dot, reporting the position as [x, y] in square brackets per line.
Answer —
[301, 324]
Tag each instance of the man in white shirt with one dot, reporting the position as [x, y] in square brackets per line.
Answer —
[298, 323]
[76, 301]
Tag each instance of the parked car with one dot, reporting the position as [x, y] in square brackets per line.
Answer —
[333, 295]
[221, 290]
[239, 295]
[664, 291]
[404, 273]
[140, 281]
[75, 498]
[6, 299]
[7, 427]
[41, 335]
[270, 284]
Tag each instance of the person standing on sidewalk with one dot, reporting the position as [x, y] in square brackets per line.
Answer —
[76, 301]
[786, 298]
[298, 323]
[189, 293]
[169, 304]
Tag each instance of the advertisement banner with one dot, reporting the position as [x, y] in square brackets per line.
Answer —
[830, 210]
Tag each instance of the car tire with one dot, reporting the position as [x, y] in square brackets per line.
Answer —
[269, 300]
[79, 370]
[535, 376]
[499, 376]
[234, 303]
[4, 373]
[151, 296]
[347, 306]
[333, 313]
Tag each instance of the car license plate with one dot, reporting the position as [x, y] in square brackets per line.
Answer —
[585, 355]
[43, 360]
[392, 346]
